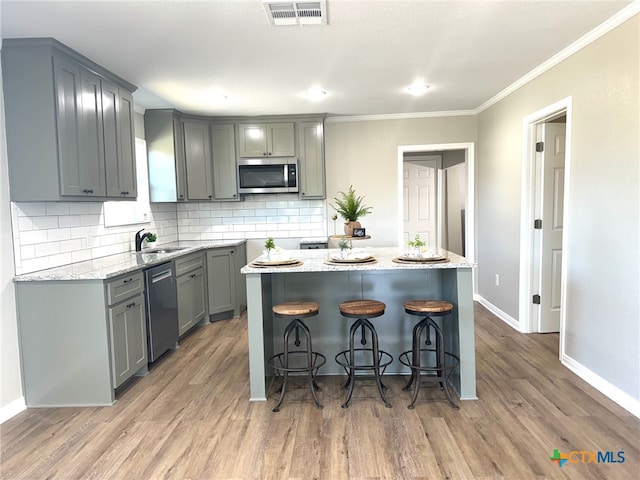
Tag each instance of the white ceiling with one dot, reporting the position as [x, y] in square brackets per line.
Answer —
[183, 53]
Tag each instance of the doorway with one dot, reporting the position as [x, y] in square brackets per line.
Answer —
[451, 195]
[545, 182]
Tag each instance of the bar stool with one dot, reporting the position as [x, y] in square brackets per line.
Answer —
[411, 358]
[312, 361]
[362, 311]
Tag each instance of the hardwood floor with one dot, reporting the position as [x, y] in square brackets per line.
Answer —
[190, 419]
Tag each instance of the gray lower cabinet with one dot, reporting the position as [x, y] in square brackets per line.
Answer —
[311, 159]
[221, 268]
[240, 259]
[80, 339]
[128, 339]
[56, 106]
[197, 148]
[192, 291]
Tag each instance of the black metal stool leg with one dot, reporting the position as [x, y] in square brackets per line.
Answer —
[285, 375]
[310, 372]
[376, 361]
[415, 370]
[351, 380]
[441, 364]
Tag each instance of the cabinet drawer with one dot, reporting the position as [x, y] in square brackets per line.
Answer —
[124, 287]
[189, 262]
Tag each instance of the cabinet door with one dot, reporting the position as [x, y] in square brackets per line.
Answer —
[198, 160]
[222, 280]
[110, 110]
[252, 140]
[180, 165]
[240, 260]
[311, 175]
[128, 339]
[191, 300]
[225, 184]
[183, 287]
[281, 141]
[79, 129]
[127, 146]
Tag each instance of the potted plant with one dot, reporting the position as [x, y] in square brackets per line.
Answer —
[350, 207]
[415, 246]
[150, 240]
[345, 246]
[269, 246]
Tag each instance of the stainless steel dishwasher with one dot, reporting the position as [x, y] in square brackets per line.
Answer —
[162, 309]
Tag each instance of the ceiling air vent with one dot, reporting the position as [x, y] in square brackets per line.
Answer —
[282, 13]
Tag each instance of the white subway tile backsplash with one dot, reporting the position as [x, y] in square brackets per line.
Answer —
[57, 234]
[32, 237]
[52, 234]
[57, 208]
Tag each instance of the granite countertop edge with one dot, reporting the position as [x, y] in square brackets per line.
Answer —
[111, 266]
[316, 261]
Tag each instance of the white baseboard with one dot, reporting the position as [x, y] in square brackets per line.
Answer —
[12, 409]
[626, 401]
[505, 317]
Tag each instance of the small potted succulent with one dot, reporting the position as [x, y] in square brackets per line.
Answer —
[415, 246]
[351, 207]
[270, 247]
[150, 240]
[344, 246]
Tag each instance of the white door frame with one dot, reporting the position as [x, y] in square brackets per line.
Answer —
[470, 214]
[527, 323]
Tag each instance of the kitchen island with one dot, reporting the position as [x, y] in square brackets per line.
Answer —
[384, 280]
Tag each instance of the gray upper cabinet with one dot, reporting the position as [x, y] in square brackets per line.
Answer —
[60, 124]
[119, 141]
[165, 154]
[197, 142]
[266, 139]
[79, 122]
[311, 158]
[225, 186]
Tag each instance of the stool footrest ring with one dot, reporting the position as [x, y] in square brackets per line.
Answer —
[384, 360]
[317, 361]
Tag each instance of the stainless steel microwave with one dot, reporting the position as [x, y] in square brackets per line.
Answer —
[267, 175]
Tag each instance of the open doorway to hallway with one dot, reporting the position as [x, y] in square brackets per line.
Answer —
[435, 198]
[458, 161]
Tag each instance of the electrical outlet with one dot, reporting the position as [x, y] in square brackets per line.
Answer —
[497, 280]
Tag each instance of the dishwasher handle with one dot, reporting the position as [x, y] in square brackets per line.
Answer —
[157, 277]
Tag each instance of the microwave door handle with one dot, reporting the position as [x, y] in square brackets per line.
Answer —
[286, 175]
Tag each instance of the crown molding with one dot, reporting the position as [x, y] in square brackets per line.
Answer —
[622, 16]
[399, 116]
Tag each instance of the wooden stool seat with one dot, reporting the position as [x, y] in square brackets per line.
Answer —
[362, 308]
[296, 309]
[420, 307]
[308, 361]
[364, 358]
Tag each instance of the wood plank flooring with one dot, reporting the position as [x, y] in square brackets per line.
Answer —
[190, 419]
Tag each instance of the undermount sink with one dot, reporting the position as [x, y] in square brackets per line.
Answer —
[163, 250]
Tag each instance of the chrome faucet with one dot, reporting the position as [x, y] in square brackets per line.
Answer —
[140, 239]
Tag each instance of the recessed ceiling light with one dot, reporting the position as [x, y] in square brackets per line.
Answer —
[315, 94]
[418, 88]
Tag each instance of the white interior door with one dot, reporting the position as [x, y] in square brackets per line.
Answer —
[419, 201]
[552, 210]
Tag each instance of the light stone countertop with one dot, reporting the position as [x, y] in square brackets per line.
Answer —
[114, 265]
[315, 261]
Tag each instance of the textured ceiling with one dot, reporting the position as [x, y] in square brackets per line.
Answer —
[185, 54]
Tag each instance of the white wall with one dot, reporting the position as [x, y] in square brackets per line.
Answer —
[11, 399]
[602, 215]
[365, 154]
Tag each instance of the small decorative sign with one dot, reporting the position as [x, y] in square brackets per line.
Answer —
[359, 232]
